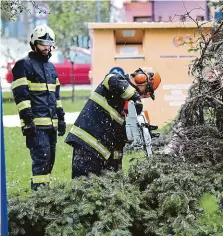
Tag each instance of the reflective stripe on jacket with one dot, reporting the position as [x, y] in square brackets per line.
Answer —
[100, 125]
[36, 89]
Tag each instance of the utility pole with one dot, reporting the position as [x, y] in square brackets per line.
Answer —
[98, 10]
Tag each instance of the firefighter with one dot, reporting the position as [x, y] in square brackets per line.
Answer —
[98, 134]
[36, 90]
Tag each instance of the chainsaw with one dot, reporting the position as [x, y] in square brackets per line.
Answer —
[139, 131]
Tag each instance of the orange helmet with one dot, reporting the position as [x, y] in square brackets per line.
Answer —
[146, 75]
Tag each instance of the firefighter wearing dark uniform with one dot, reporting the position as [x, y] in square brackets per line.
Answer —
[36, 91]
[98, 135]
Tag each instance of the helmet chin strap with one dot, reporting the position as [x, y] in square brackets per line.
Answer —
[149, 87]
[149, 83]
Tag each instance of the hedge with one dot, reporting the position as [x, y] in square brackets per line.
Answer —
[160, 196]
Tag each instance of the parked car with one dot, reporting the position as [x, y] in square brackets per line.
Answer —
[81, 66]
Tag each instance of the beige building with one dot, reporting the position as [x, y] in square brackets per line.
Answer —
[164, 46]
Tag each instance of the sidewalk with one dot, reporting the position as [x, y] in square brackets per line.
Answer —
[14, 121]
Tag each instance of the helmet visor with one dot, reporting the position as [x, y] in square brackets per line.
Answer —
[45, 42]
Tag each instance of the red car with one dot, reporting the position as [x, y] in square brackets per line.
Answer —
[81, 66]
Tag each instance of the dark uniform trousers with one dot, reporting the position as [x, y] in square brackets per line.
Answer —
[85, 162]
[42, 150]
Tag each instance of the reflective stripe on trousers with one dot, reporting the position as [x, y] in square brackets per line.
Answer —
[38, 179]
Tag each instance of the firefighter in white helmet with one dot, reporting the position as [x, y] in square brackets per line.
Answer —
[36, 90]
[42, 39]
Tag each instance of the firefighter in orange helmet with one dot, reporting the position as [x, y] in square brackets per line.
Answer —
[146, 76]
[98, 134]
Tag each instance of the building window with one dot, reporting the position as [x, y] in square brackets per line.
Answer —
[142, 19]
[200, 18]
[182, 18]
[160, 18]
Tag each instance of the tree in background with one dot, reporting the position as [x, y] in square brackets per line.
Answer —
[217, 4]
[69, 19]
[11, 9]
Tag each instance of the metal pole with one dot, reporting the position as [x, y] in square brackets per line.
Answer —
[98, 10]
[4, 216]
[73, 80]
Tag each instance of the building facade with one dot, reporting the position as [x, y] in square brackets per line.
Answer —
[165, 11]
[139, 11]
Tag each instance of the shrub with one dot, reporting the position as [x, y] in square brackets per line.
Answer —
[160, 196]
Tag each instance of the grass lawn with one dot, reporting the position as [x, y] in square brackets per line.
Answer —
[9, 107]
[18, 161]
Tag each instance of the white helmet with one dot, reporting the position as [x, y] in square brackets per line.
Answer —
[44, 35]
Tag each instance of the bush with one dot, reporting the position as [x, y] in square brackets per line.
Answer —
[158, 197]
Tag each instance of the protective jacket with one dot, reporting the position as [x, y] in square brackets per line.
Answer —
[36, 90]
[100, 126]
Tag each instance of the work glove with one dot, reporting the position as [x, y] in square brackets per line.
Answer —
[61, 127]
[29, 129]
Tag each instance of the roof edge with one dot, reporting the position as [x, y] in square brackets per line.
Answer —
[147, 25]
